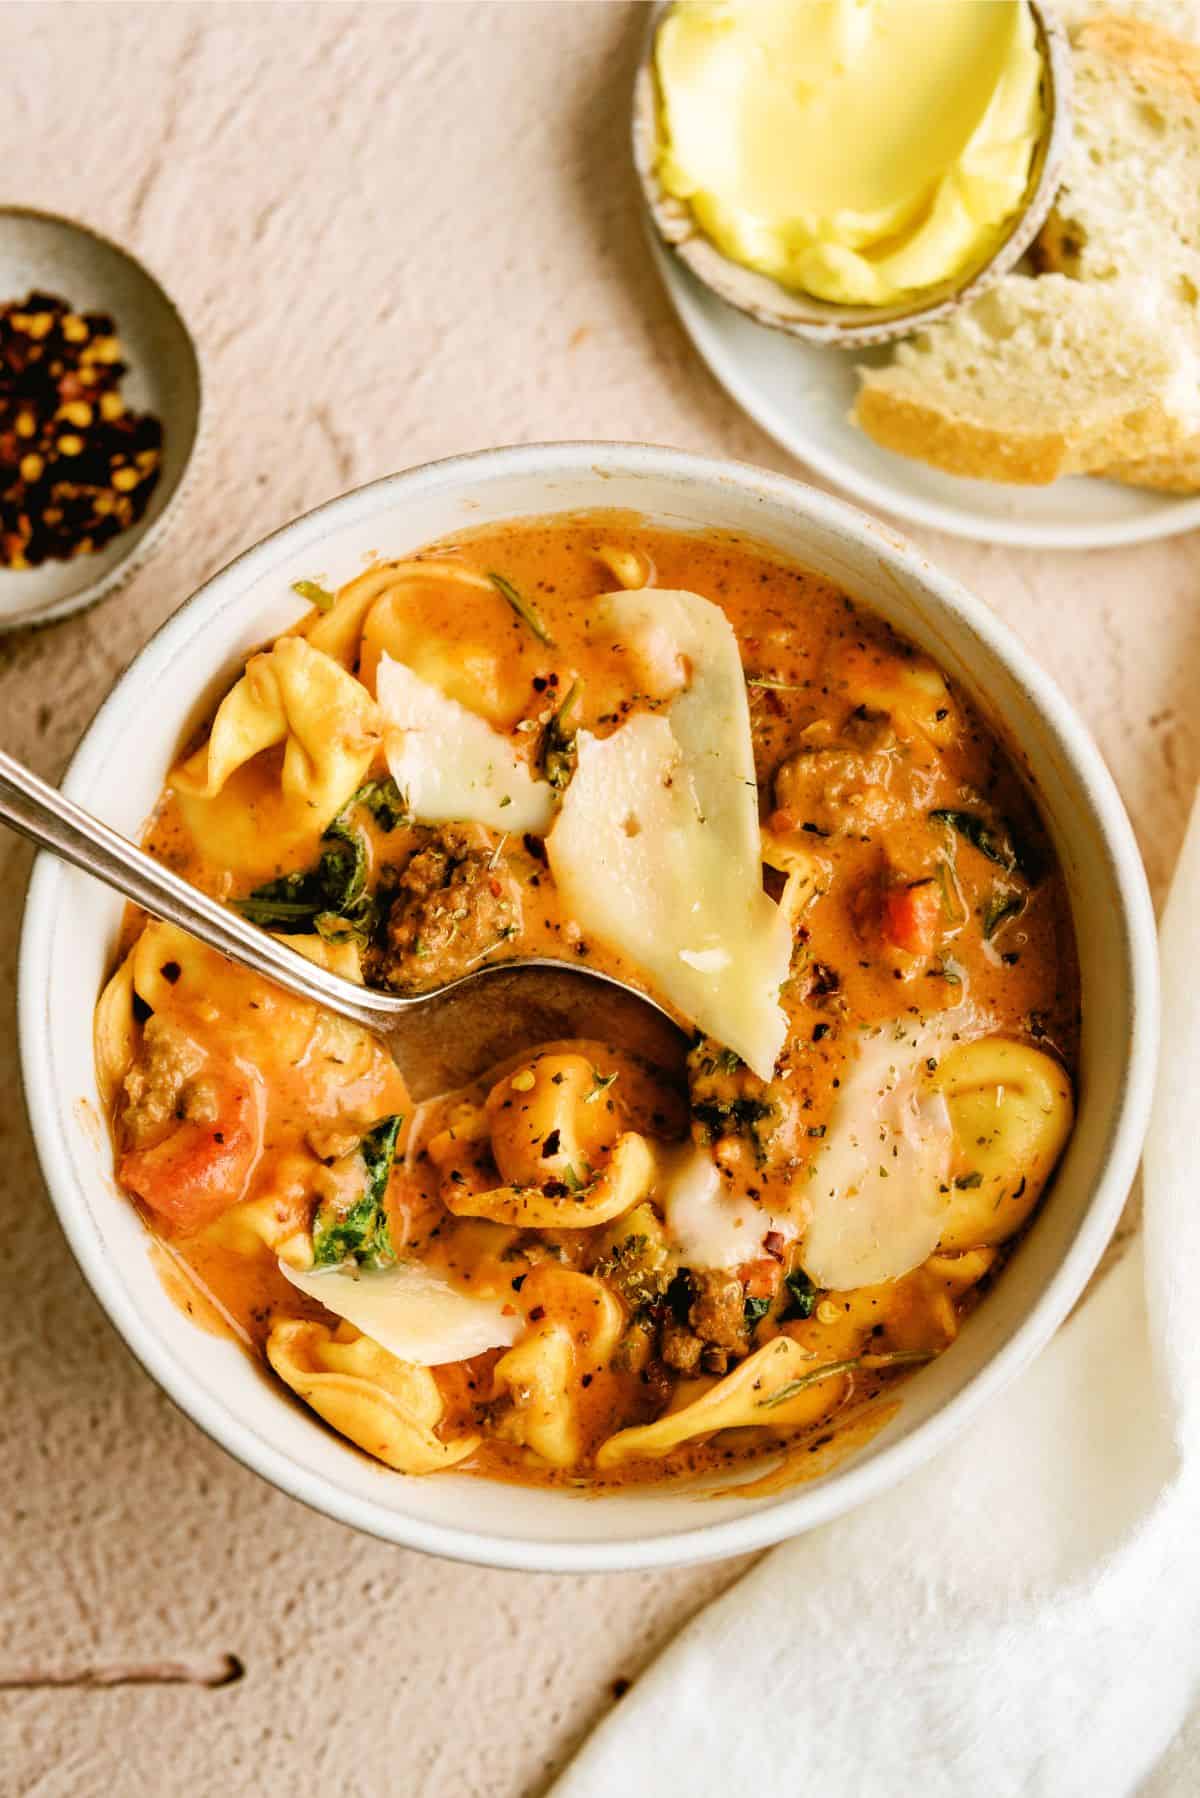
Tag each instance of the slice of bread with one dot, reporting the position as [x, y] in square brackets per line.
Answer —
[1129, 207]
[1041, 376]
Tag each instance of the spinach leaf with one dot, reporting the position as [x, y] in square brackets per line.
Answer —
[756, 1309]
[999, 908]
[998, 846]
[952, 909]
[802, 1295]
[331, 898]
[361, 1233]
[385, 802]
[333, 889]
[558, 756]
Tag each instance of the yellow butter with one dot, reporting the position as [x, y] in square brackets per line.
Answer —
[855, 150]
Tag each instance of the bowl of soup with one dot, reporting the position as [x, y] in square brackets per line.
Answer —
[680, 720]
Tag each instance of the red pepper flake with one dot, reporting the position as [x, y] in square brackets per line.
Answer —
[76, 466]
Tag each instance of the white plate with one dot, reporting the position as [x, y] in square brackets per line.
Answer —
[801, 395]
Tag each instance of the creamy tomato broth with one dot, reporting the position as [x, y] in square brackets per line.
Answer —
[676, 757]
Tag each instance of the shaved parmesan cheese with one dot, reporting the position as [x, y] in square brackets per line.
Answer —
[656, 848]
[411, 1311]
[708, 1226]
[882, 1184]
[450, 764]
[706, 961]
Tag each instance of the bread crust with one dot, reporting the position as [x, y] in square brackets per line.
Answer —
[919, 430]
[962, 446]
[1177, 472]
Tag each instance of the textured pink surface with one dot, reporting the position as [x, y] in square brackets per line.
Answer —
[397, 232]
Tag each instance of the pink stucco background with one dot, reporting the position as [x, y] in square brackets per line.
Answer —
[397, 232]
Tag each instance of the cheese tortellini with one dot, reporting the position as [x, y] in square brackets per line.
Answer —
[553, 1118]
[114, 1032]
[388, 1407]
[292, 697]
[626, 1178]
[780, 1386]
[274, 1224]
[573, 1326]
[1011, 1113]
[556, 1136]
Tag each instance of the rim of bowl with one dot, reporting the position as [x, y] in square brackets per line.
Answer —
[846, 1487]
[153, 537]
[802, 315]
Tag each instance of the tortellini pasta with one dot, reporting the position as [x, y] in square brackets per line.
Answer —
[482, 670]
[114, 1032]
[1011, 1113]
[626, 1177]
[178, 1053]
[337, 632]
[388, 1407]
[555, 1133]
[274, 1224]
[295, 697]
[781, 1385]
[553, 1118]
[573, 1326]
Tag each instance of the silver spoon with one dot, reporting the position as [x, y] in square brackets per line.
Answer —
[439, 1039]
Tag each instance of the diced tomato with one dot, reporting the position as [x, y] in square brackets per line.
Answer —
[909, 917]
[201, 1168]
[760, 1278]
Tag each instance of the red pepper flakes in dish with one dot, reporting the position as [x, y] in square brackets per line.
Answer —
[76, 467]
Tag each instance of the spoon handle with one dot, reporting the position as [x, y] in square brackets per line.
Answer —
[54, 822]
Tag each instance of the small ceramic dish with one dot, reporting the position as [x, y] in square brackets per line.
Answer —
[40, 251]
[820, 321]
[71, 928]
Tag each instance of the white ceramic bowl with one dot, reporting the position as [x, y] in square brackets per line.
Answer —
[71, 925]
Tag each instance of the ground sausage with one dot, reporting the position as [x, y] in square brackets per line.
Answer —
[452, 902]
[155, 1084]
[716, 1330]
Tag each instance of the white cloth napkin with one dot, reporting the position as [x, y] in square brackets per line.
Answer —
[1023, 1615]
